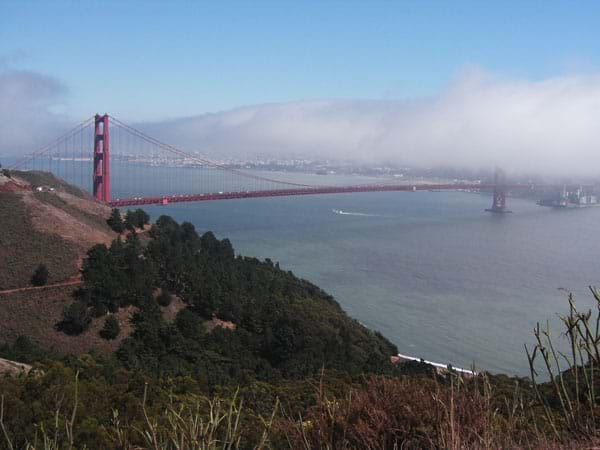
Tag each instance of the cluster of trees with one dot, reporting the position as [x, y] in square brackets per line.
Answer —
[133, 219]
[113, 277]
[282, 326]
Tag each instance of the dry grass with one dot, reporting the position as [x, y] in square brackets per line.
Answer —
[395, 413]
[35, 314]
[23, 247]
[55, 228]
[81, 212]
[384, 414]
[409, 413]
[52, 214]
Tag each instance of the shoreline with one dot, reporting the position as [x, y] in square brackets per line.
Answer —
[437, 365]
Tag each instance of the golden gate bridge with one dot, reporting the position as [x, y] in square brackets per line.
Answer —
[123, 166]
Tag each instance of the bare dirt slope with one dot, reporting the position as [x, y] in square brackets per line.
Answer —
[8, 367]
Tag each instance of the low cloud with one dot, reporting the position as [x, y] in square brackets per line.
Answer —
[478, 121]
[549, 126]
[27, 119]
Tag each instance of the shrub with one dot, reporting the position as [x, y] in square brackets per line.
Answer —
[40, 275]
[111, 328]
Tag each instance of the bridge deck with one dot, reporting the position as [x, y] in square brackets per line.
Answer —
[163, 200]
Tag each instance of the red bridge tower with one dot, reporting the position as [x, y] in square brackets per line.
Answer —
[101, 173]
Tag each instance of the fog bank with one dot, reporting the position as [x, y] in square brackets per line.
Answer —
[478, 121]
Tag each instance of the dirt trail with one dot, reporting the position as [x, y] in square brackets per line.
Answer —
[71, 282]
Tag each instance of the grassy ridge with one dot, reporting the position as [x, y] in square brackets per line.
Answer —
[92, 220]
[22, 248]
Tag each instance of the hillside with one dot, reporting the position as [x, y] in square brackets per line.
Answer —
[55, 226]
[239, 317]
[232, 313]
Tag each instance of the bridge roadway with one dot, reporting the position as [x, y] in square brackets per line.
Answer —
[166, 199]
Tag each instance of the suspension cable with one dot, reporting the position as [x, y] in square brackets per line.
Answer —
[185, 154]
[51, 145]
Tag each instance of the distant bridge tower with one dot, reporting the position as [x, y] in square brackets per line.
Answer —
[499, 197]
[101, 170]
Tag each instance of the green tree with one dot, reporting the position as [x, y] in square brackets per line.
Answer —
[111, 328]
[115, 221]
[76, 318]
[40, 275]
[103, 280]
[136, 219]
[188, 324]
[24, 350]
[142, 217]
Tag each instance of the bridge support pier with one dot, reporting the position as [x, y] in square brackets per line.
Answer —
[499, 197]
[101, 168]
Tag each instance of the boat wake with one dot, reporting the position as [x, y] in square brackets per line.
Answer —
[346, 213]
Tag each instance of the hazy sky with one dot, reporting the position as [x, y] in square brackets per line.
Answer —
[467, 83]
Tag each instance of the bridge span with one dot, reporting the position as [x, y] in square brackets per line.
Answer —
[164, 200]
[95, 150]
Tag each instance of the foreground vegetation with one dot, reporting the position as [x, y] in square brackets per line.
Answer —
[95, 402]
[256, 358]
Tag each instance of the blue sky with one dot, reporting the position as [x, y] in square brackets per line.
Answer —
[154, 60]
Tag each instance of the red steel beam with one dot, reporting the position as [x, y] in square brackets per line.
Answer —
[166, 199]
